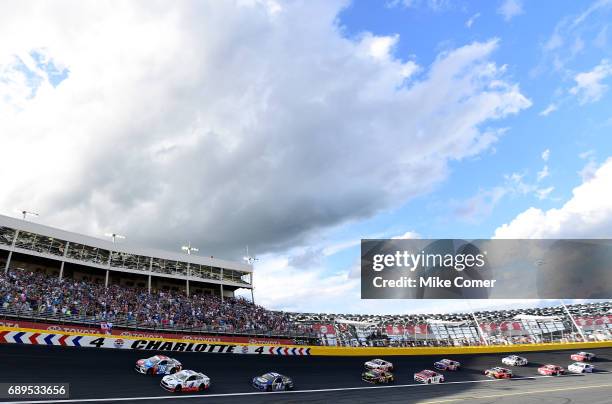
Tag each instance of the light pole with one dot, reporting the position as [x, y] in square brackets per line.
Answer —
[573, 320]
[25, 214]
[114, 237]
[188, 249]
[250, 261]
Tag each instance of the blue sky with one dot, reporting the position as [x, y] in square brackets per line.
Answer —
[300, 127]
[573, 129]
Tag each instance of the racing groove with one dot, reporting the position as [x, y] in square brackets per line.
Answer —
[108, 373]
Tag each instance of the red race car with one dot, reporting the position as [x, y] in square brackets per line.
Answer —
[582, 357]
[498, 373]
[551, 370]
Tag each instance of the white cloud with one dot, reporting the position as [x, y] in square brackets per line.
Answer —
[573, 35]
[543, 173]
[409, 235]
[548, 110]
[471, 20]
[588, 171]
[482, 204]
[546, 154]
[231, 123]
[588, 214]
[589, 86]
[544, 193]
[434, 5]
[510, 9]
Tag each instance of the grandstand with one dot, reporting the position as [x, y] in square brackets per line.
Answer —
[61, 253]
[55, 276]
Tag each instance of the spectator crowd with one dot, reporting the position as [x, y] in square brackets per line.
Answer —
[42, 295]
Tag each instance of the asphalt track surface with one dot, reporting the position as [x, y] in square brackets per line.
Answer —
[107, 375]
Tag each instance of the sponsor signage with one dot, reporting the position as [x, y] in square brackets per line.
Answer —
[11, 335]
[144, 334]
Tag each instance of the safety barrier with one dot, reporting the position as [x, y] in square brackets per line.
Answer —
[10, 335]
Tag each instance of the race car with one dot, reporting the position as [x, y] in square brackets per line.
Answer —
[498, 373]
[377, 376]
[428, 376]
[379, 364]
[158, 365]
[185, 380]
[447, 364]
[582, 356]
[272, 382]
[551, 370]
[581, 367]
[515, 360]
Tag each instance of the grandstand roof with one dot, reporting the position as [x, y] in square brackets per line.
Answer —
[24, 225]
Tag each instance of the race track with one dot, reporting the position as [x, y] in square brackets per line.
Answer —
[106, 374]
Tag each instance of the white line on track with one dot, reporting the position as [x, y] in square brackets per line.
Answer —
[258, 393]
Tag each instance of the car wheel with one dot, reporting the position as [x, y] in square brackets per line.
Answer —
[172, 371]
[201, 387]
[428, 381]
[268, 388]
[178, 389]
[150, 372]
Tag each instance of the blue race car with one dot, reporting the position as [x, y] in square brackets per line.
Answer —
[158, 365]
[272, 382]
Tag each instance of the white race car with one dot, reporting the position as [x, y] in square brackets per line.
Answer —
[185, 380]
[515, 360]
[581, 367]
[428, 377]
[379, 364]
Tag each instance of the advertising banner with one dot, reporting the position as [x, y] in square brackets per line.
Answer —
[85, 329]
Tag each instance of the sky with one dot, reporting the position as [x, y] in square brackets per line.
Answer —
[300, 127]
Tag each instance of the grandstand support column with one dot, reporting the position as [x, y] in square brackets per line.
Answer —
[479, 328]
[252, 294]
[187, 287]
[106, 279]
[221, 284]
[572, 319]
[10, 255]
[61, 274]
[150, 271]
[8, 262]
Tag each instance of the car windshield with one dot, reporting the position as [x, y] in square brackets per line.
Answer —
[154, 359]
[183, 375]
[269, 376]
